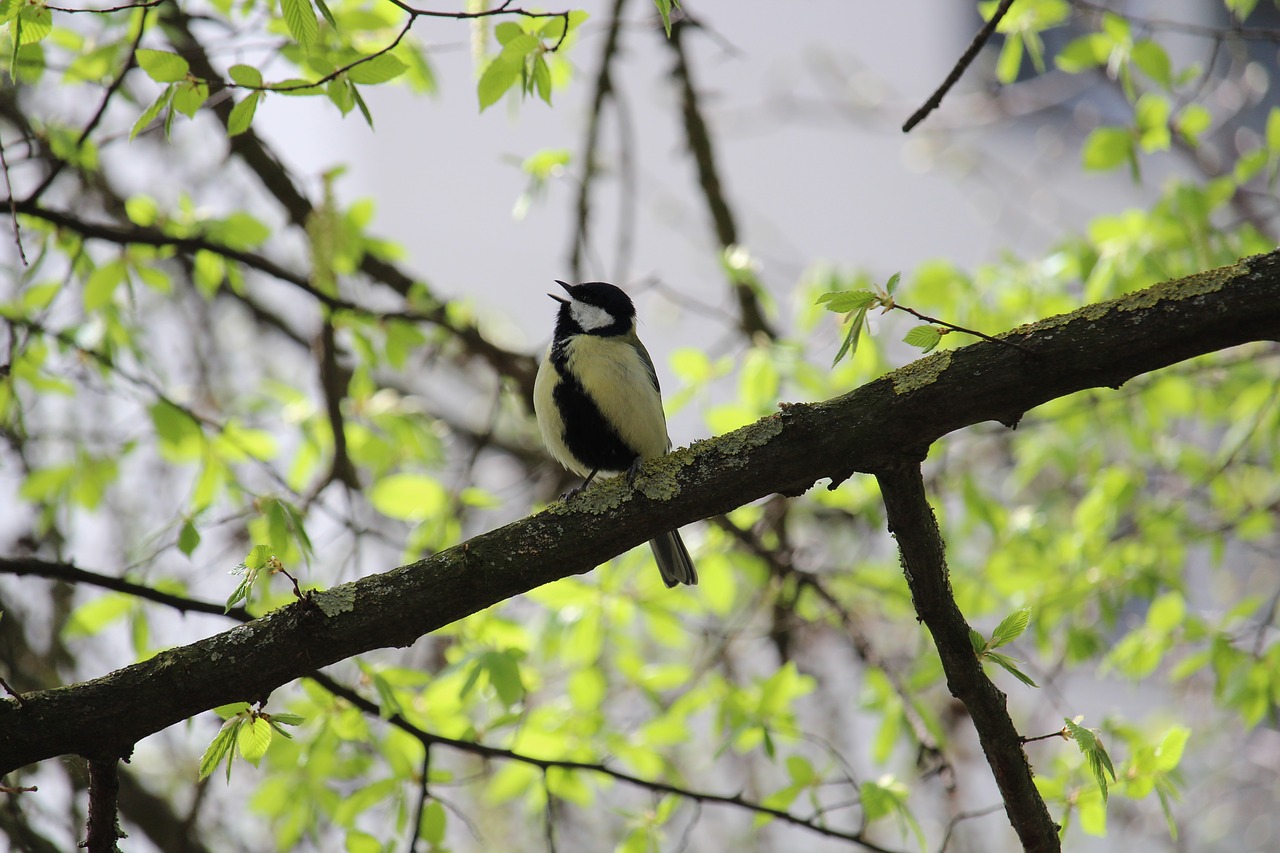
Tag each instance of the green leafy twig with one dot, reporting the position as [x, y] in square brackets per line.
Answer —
[856, 303]
[247, 730]
[1009, 629]
[1090, 743]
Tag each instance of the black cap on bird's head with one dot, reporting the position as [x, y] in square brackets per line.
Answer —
[593, 308]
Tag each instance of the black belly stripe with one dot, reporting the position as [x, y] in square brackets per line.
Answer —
[589, 437]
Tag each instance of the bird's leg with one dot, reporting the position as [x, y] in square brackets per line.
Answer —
[633, 471]
[585, 483]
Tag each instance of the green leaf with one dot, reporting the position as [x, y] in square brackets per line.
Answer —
[188, 538]
[150, 113]
[326, 13]
[410, 497]
[245, 75]
[1095, 754]
[891, 286]
[253, 739]
[258, 557]
[239, 594]
[1195, 119]
[340, 92]
[978, 641]
[101, 285]
[1242, 8]
[364, 108]
[242, 114]
[504, 675]
[38, 297]
[35, 21]
[664, 10]
[1011, 666]
[220, 747]
[1168, 754]
[388, 702]
[496, 80]
[1010, 61]
[180, 435]
[433, 824]
[1154, 62]
[1011, 627]
[96, 614]
[300, 17]
[190, 96]
[163, 66]
[850, 344]
[925, 337]
[1108, 147]
[845, 301]
[377, 69]
[1273, 130]
[506, 31]
[1083, 53]
[542, 79]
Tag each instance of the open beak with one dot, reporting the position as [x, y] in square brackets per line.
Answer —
[561, 299]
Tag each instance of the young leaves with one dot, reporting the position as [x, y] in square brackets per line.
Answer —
[163, 66]
[247, 730]
[1009, 629]
[524, 57]
[664, 9]
[1094, 752]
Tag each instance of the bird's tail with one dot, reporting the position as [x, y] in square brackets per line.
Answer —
[673, 560]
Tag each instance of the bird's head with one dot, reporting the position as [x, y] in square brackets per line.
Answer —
[594, 308]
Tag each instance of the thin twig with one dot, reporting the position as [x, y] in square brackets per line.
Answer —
[953, 327]
[110, 93]
[147, 4]
[603, 91]
[970, 53]
[751, 317]
[963, 816]
[13, 206]
[549, 829]
[17, 697]
[424, 794]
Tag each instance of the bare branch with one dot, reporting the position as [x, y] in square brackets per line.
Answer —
[603, 91]
[912, 523]
[970, 53]
[751, 317]
[104, 791]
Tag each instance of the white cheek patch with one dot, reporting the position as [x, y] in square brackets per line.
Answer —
[589, 317]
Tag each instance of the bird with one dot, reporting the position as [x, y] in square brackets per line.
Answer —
[598, 404]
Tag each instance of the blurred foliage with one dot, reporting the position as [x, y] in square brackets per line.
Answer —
[1123, 538]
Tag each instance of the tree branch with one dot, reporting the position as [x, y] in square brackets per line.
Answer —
[869, 429]
[34, 567]
[603, 91]
[104, 791]
[750, 315]
[924, 563]
[966, 58]
[493, 752]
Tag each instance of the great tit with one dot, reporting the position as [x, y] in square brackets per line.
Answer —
[597, 400]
